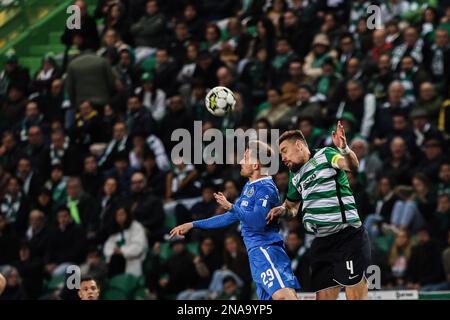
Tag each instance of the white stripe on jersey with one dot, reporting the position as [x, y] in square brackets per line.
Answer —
[277, 274]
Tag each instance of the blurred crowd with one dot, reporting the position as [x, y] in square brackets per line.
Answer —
[86, 176]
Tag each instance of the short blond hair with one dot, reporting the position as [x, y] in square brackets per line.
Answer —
[259, 150]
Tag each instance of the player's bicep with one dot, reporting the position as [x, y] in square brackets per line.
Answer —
[335, 159]
[339, 162]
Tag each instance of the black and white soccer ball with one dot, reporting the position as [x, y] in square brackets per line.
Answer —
[220, 101]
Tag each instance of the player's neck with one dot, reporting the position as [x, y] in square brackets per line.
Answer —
[255, 176]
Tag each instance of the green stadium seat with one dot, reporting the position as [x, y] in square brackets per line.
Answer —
[124, 287]
[170, 221]
[55, 283]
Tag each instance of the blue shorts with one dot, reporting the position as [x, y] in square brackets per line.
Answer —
[271, 270]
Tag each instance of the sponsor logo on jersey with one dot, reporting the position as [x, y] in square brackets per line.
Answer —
[310, 179]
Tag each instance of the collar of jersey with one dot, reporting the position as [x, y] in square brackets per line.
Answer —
[260, 179]
[313, 153]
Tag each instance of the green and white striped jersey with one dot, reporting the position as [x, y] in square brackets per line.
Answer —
[327, 203]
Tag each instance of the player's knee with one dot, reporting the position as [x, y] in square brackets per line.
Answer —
[285, 294]
[358, 292]
[328, 294]
[2, 283]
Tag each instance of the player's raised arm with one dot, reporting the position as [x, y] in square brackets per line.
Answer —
[348, 161]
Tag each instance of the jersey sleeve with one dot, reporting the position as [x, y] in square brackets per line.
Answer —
[216, 222]
[292, 195]
[264, 200]
[332, 156]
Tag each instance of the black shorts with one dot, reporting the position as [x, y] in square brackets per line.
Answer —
[340, 259]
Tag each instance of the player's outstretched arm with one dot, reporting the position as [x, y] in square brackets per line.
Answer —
[288, 208]
[349, 161]
[181, 230]
[216, 222]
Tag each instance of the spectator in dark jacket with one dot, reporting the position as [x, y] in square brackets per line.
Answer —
[122, 171]
[146, 208]
[194, 21]
[54, 103]
[12, 107]
[9, 151]
[109, 201]
[62, 152]
[138, 118]
[31, 269]
[203, 209]
[120, 143]
[179, 267]
[85, 37]
[434, 156]
[166, 71]
[15, 205]
[9, 242]
[398, 165]
[381, 78]
[207, 262]
[13, 74]
[82, 208]
[37, 235]
[87, 129]
[425, 264]
[33, 117]
[91, 177]
[236, 260]
[155, 177]
[177, 117]
[437, 60]
[67, 244]
[35, 149]
[31, 180]
[148, 32]
[396, 101]
[14, 289]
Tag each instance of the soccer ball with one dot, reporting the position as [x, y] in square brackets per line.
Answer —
[219, 101]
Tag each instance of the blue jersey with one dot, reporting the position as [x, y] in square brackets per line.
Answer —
[251, 209]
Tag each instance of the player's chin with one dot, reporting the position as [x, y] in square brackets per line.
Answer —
[244, 173]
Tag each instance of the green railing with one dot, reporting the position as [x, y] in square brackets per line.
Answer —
[33, 27]
[18, 16]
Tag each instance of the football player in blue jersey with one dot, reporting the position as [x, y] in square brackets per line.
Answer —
[269, 263]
